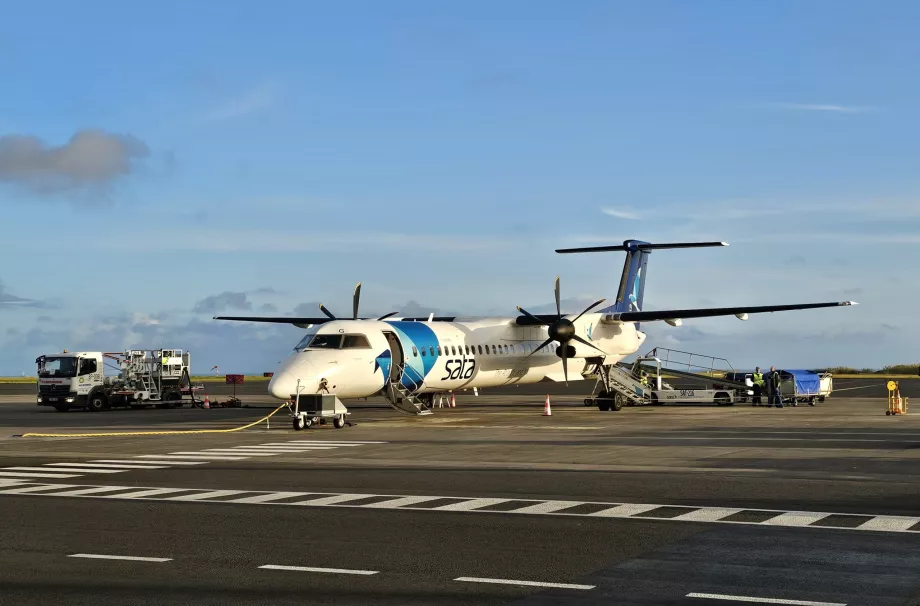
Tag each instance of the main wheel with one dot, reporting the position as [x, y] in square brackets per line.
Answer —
[618, 401]
[95, 402]
[339, 422]
[299, 423]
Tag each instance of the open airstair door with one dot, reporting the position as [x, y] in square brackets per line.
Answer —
[399, 387]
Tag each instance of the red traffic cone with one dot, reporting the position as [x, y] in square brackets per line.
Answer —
[547, 412]
[207, 401]
[453, 402]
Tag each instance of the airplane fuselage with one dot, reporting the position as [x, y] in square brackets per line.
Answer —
[356, 358]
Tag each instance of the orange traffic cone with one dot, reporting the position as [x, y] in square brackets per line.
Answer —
[207, 401]
[547, 412]
[453, 402]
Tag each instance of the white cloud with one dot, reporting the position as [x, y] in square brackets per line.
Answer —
[245, 105]
[825, 107]
[621, 213]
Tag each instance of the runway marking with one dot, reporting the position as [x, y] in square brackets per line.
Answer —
[97, 556]
[230, 451]
[588, 509]
[524, 583]
[470, 505]
[100, 465]
[201, 455]
[82, 470]
[150, 462]
[17, 474]
[741, 598]
[312, 569]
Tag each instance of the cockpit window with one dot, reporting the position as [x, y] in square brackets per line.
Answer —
[356, 342]
[327, 341]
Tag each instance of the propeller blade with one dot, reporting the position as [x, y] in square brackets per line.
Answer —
[539, 347]
[565, 364]
[385, 316]
[357, 298]
[580, 340]
[558, 306]
[587, 309]
[328, 313]
[532, 317]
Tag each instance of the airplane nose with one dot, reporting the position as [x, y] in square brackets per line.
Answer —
[283, 385]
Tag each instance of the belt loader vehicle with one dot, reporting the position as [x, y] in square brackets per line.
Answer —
[142, 378]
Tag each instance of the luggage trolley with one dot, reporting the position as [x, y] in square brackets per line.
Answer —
[316, 407]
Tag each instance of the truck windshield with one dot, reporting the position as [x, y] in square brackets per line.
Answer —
[58, 367]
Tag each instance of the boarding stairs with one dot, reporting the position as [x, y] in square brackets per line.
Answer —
[404, 398]
[695, 367]
[621, 384]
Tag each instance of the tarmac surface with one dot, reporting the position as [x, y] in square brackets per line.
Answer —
[490, 502]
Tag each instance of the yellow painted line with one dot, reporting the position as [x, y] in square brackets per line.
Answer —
[149, 433]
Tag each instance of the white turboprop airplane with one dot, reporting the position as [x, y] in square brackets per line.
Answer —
[407, 359]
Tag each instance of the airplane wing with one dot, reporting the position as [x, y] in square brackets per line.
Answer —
[679, 314]
[276, 320]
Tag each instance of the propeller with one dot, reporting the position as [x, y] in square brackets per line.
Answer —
[562, 330]
[356, 300]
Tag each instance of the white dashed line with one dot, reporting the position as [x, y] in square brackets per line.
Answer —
[471, 504]
[96, 556]
[795, 518]
[208, 495]
[82, 470]
[624, 511]
[741, 598]
[547, 507]
[99, 465]
[160, 462]
[334, 499]
[890, 523]
[17, 474]
[312, 569]
[401, 502]
[524, 583]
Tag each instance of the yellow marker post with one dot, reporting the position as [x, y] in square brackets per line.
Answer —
[894, 400]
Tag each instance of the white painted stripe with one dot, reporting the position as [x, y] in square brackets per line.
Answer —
[17, 474]
[707, 514]
[173, 456]
[524, 583]
[312, 569]
[98, 556]
[295, 448]
[339, 498]
[150, 462]
[92, 490]
[547, 507]
[249, 450]
[890, 523]
[624, 511]
[10, 482]
[265, 498]
[207, 495]
[105, 465]
[742, 598]
[469, 505]
[140, 494]
[402, 502]
[81, 470]
[795, 518]
[200, 455]
[28, 489]
[345, 442]
[230, 451]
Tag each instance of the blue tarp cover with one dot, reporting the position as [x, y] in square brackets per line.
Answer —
[806, 382]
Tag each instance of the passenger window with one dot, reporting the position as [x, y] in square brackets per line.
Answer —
[431, 350]
[423, 352]
[453, 350]
[356, 342]
[414, 351]
[494, 350]
[439, 350]
[480, 350]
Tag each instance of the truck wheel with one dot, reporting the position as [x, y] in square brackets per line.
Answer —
[618, 400]
[339, 422]
[95, 402]
[299, 423]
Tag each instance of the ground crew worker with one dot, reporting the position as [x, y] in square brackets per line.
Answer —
[757, 379]
[644, 379]
[776, 393]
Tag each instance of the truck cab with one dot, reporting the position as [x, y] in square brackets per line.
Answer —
[71, 380]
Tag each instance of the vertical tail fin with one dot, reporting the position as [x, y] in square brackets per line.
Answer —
[631, 293]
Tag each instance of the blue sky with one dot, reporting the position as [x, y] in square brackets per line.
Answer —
[162, 163]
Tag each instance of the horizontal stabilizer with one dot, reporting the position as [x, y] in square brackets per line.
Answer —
[679, 314]
[644, 246]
